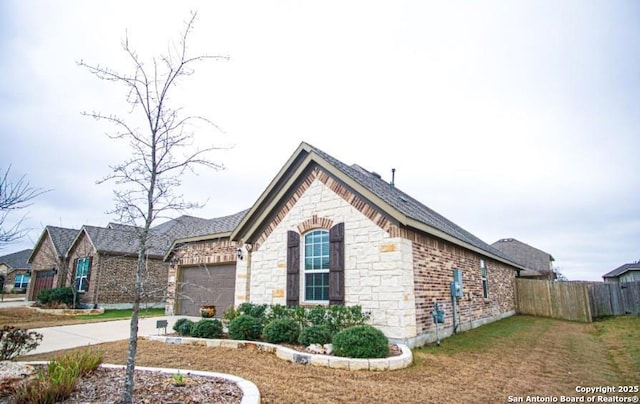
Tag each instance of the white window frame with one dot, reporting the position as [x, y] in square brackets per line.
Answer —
[85, 276]
[23, 284]
[483, 277]
[322, 259]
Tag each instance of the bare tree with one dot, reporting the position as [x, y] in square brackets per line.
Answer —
[160, 153]
[14, 196]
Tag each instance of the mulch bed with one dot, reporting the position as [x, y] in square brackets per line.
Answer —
[106, 386]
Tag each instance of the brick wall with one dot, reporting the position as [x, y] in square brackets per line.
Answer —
[215, 251]
[112, 277]
[113, 281]
[434, 261]
[45, 258]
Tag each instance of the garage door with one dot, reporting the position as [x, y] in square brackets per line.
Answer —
[200, 286]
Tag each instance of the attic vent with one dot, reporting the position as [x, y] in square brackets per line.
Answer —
[403, 199]
[375, 174]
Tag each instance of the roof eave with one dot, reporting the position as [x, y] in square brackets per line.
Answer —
[194, 239]
[440, 234]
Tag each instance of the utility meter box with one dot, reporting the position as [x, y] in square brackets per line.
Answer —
[438, 315]
[456, 285]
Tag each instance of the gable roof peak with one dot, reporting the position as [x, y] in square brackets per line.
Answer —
[389, 199]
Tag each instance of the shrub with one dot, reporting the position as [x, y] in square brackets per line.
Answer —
[183, 327]
[257, 311]
[44, 296]
[362, 341]
[339, 317]
[16, 341]
[281, 330]
[58, 380]
[317, 315]
[207, 329]
[315, 334]
[56, 296]
[245, 327]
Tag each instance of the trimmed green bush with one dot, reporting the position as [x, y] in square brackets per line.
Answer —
[56, 296]
[339, 317]
[281, 330]
[245, 327]
[258, 311]
[315, 334]
[362, 341]
[207, 329]
[183, 327]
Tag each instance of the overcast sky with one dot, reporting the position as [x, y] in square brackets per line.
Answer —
[512, 119]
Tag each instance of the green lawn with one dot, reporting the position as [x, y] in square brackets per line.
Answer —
[122, 314]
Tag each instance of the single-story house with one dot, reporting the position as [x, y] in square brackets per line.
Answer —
[16, 271]
[538, 264]
[49, 266]
[624, 273]
[324, 232]
[103, 262]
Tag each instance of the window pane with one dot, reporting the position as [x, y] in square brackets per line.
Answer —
[317, 286]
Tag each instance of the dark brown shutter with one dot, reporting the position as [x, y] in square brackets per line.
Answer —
[336, 264]
[74, 272]
[293, 268]
[89, 271]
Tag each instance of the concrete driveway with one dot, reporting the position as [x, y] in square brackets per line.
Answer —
[77, 335]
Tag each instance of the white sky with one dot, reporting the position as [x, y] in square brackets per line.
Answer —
[512, 119]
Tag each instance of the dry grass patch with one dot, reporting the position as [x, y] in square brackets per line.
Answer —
[517, 356]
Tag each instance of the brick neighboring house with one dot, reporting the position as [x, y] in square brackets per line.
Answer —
[16, 270]
[624, 273]
[203, 266]
[103, 263]
[49, 266]
[538, 264]
[325, 232]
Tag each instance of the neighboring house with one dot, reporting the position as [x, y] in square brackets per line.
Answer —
[538, 264]
[324, 232]
[203, 266]
[16, 271]
[103, 264]
[624, 273]
[49, 266]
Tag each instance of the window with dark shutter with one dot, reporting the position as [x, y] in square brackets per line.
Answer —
[336, 264]
[293, 268]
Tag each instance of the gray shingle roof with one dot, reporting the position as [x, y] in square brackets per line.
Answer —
[189, 226]
[524, 254]
[123, 239]
[61, 238]
[622, 269]
[17, 260]
[407, 205]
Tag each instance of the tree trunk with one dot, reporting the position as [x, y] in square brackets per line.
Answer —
[133, 333]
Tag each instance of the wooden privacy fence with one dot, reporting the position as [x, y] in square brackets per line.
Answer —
[579, 301]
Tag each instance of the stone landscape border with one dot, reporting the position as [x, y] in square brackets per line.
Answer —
[401, 361]
[250, 392]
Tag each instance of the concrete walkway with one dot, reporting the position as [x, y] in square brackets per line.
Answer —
[77, 335]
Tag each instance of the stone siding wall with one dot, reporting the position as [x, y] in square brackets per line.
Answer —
[215, 251]
[378, 268]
